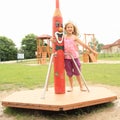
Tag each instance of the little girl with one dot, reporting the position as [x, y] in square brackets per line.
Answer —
[71, 42]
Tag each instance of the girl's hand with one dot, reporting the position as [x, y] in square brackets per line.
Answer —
[52, 39]
[96, 53]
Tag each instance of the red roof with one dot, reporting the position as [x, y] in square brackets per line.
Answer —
[106, 46]
[110, 45]
[116, 42]
[44, 36]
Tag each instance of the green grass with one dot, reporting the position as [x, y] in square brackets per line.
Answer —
[109, 56]
[22, 75]
[102, 73]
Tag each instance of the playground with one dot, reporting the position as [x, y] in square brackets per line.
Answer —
[56, 98]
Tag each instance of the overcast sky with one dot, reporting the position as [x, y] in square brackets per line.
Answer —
[21, 17]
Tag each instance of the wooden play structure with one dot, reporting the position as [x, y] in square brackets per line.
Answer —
[87, 56]
[43, 48]
[30, 99]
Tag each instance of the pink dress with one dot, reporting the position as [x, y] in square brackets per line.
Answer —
[70, 47]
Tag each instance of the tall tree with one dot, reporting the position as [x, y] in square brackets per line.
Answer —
[8, 51]
[29, 46]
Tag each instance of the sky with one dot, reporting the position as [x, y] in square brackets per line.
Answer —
[21, 17]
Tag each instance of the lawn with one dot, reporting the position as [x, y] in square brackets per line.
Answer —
[102, 73]
[22, 75]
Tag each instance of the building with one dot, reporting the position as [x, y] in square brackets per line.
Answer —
[112, 48]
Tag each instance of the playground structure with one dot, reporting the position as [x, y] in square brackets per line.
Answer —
[43, 48]
[87, 56]
[57, 99]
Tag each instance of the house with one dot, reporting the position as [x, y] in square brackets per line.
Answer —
[112, 48]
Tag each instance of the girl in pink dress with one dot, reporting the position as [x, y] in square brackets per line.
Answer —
[71, 42]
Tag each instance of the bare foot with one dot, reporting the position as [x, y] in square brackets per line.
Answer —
[83, 90]
[70, 90]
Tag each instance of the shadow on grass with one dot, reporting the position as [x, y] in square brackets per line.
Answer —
[30, 114]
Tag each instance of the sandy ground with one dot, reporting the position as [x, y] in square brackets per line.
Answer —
[110, 113]
[2, 115]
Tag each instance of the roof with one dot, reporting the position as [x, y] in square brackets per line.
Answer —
[117, 42]
[44, 36]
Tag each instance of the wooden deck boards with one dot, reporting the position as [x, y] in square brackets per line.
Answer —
[31, 99]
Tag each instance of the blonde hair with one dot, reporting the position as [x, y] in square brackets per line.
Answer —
[75, 32]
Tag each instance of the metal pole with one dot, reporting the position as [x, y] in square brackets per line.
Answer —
[47, 77]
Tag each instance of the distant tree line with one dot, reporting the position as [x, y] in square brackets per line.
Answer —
[29, 46]
[8, 50]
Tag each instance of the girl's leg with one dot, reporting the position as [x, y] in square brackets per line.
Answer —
[71, 84]
[68, 68]
[78, 77]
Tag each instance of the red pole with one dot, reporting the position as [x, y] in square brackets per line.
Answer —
[58, 48]
[57, 4]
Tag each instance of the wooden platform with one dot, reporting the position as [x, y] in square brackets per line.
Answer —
[31, 99]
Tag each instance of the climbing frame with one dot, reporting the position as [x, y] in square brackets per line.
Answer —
[43, 48]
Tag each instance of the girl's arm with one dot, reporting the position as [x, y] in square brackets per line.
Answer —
[85, 46]
[52, 39]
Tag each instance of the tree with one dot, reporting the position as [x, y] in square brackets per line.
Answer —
[99, 47]
[8, 51]
[29, 46]
[96, 45]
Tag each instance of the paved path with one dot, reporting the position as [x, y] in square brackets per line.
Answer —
[98, 61]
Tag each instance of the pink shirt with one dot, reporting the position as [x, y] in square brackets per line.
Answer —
[70, 47]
